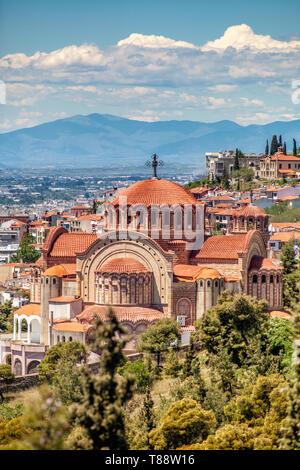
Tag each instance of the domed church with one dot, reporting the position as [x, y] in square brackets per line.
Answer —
[151, 262]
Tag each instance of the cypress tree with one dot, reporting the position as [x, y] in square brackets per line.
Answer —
[284, 148]
[280, 141]
[236, 165]
[274, 145]
[100, 412]
[288, 258]
[267, 148]
[188, 360]
[294, 148]
[225, 179]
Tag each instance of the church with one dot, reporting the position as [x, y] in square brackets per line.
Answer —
[153, 261]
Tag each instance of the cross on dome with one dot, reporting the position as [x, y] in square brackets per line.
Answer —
[155, 163]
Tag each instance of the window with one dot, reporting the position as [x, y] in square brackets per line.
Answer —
[208, 283]
[70, 338]
[254, 280]
[63, 339]
[271, 279]
[289, 165]
[54, 281]
[277, 279]
[263, 279]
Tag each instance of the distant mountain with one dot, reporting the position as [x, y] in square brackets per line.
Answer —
[101, 140]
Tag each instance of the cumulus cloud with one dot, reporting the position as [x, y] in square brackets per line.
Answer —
[152, 41]
[242, 36]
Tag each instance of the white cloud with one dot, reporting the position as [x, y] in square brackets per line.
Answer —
[242, 36]
[223, 88]
[153, 41]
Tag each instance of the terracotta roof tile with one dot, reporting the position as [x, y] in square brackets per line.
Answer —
[285, 236]
[122, 265]
[68, 244]
[71, 326]
[132, 314]
[266, 264]
[224, 246]
[29, 309]
[64, 299]
[156, 191]
[192, 273]
[250, 211]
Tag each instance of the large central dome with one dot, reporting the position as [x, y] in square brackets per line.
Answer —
[156, 191]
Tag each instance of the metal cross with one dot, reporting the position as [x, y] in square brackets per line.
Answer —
[155, 163]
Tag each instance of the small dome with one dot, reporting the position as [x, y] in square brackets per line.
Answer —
[209, 273]
[122, 265]
[156, 191]
[250, 211]
[58, 271]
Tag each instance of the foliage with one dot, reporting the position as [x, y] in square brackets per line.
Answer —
[190, 357]
[288, 258]
[235, 437]
[140, 372]
[184, 423]
[233, 326]
[66, 380]
[46, 423]
[172, 364]
[11, 429]
[274, 145]
[70, 351]
[10, 412]
[26, 253]
[7, 317]
[291, 288]
[104, 394]
[158, 338]
[279, 337]
[6, 374]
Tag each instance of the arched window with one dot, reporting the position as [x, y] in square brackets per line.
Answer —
[58, 339]
[47, 280]
[70, 338]
[201, 283]
[63, 339]
[216, 283]
[54, 281]
[254, 279]
[263, 278]
[271, 279]
[277, 279]
[208, 283]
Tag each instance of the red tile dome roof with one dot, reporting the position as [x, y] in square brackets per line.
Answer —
[122, 265]
[156, 191]
[250, 211]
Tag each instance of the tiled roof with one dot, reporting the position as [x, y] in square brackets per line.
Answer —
[223, 197]
[284, 158]
[71, 326]
[122, 265]
[132, 314]
[285, 236]
[58, 271]
[79, 208]
[266, 264]
[156, 191]
[29, 309]
[283, 225]
[288, 172]
[250, 211]
[192, 273]
[64, 299]
[224, 246]
[68, 244]
[281, 314]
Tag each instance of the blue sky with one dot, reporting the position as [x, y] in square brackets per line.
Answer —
[149, 60]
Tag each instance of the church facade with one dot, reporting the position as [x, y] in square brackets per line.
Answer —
[151, 262]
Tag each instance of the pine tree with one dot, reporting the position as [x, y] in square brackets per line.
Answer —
[267, 148]
[284, 148]
[100, 412]
[294, 148]
[274, 145]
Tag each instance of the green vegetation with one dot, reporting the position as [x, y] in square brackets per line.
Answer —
[7, 317]
[26, 253]
[282, 213]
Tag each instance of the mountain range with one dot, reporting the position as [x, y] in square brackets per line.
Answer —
[101, 140]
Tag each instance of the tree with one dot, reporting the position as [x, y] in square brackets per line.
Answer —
[284, 148]
[26, 253]
[267, 148]
[274, 145]
[233, 325]
[294, 148]
[291, 427]
[184, 423]
[6, 376]
[140, 371]
[280, 141]
[236, 165]
[288, 258]
[7, 317]
[148, 414]
[225, 179]
[70, 351]
[66, 380]
[190, 356]
[159, 337]
[279, 336]
[104, 394]
[172, 365]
